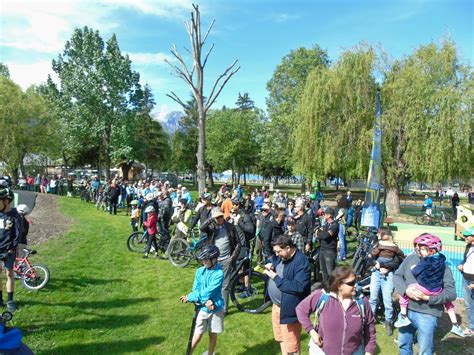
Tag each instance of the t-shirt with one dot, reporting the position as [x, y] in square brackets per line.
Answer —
[273, 291]
[469, 264]
[328, 236]
[222, 242]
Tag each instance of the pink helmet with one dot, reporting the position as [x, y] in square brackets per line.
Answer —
[431, 241]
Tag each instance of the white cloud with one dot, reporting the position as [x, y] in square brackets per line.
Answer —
[34, 73]
[149, 58]
[45, 26]
[283, 17]
[161, 111]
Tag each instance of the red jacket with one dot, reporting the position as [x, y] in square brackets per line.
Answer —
[150, 224]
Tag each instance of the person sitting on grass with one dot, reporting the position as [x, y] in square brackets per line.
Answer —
[429, 274]
[207, 290]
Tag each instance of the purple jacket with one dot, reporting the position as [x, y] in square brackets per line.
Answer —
[341, 330]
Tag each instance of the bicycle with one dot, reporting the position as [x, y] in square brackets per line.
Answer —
[361, 260]
[248, 288]
[180, 252]
[137, 241]
[438, 217]
[33, 276]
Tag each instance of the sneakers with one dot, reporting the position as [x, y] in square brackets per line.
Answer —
[145, 256]
[11, 306]
[468, 332]
[456, 329]
[402, 321]
[245, 294]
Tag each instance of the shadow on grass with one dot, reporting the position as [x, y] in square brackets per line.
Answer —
[269, 347]
[448, 343]
[76, 283]
[94, 322]
[102, 305]
[116, 347]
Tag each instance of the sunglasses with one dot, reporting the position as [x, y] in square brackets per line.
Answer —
[350, 283]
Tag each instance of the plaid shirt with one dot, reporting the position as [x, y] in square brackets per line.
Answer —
[297, 239]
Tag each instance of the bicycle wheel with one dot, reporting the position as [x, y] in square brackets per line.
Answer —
[359, 267]
[423, 219]
[255, 299]
[356, 256]
[36, 277]
[179, 253]
[136, 243]
[443, 219]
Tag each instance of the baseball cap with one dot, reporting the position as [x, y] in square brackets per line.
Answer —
[216, 212]
[468, 232]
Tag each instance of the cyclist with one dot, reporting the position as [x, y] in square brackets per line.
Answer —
[134, 215]
[10, 233]
[327, 236]
[25, 223]
[207, 290]
[204, 213]
[164, 216]
[428, 205]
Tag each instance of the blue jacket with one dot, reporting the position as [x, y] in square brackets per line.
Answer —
[208, 286]
[294, 286]
[429, 272]
[428, 203]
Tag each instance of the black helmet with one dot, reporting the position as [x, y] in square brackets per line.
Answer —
[209, 252]
[6, 194]
[235, 201]
[206, 196]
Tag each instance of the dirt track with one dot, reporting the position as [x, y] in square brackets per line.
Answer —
[46, 221]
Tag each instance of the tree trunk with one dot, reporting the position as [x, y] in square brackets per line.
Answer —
[126, 169]
[276, 181]
[210, 178]
[245, 178]
[393, 201]
[201, 158]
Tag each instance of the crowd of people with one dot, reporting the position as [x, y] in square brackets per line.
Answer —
[285, 230]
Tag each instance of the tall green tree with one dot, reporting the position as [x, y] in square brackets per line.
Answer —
[4, 71]
[284, 92]
[244, 102]
[336, 114]
[225, 147]
[100, 91]
[427, 100]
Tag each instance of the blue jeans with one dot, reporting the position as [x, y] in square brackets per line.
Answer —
[425, 326]
[350, 216]
[342, 241]
[378, 282]
[469, 302]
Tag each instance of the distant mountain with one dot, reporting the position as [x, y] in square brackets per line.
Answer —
[170, 124]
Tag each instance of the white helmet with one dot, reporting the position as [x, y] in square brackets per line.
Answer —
[149, 209]
[149, 196]
[22, 208]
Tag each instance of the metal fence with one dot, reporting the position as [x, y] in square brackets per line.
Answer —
[454, 257]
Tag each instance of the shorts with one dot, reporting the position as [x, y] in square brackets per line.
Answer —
[287, 334]
[9, 261]
[212, 322]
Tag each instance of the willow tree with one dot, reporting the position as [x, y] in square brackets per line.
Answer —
[427, 101]
[336, 114]
[193, 76]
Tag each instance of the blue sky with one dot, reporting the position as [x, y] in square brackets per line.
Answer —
[258, 33]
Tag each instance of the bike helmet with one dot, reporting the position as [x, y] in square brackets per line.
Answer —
[431, 241]
[312, 196]
[149, 209]
[134, 203]
[209, 252]
[235, 201]
[22, 208]
[6, 194]
[149, 196]
[206, 196]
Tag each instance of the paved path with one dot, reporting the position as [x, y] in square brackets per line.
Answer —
[26, 197]
[408, 232]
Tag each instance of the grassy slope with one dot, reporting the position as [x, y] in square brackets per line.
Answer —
[104, 299]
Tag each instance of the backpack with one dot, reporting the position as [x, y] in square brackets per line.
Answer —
[359, 302]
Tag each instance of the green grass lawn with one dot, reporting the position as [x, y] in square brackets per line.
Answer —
[103, 299]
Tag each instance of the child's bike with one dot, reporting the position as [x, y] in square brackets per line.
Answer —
[180, 252]
[137, 242]
[33, 276]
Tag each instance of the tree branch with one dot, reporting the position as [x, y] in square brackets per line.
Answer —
[207, 56]
[175, 98]
[181, 74]
[212, 99]
[207, 33]
[218, 79]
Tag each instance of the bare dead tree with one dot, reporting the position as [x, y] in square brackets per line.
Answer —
[194, 77]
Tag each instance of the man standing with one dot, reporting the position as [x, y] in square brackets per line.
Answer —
[304, 224]
[224, 236]
[164, 216]
[423, 310]
[289, 283]
[327, 236]
[10, 233]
